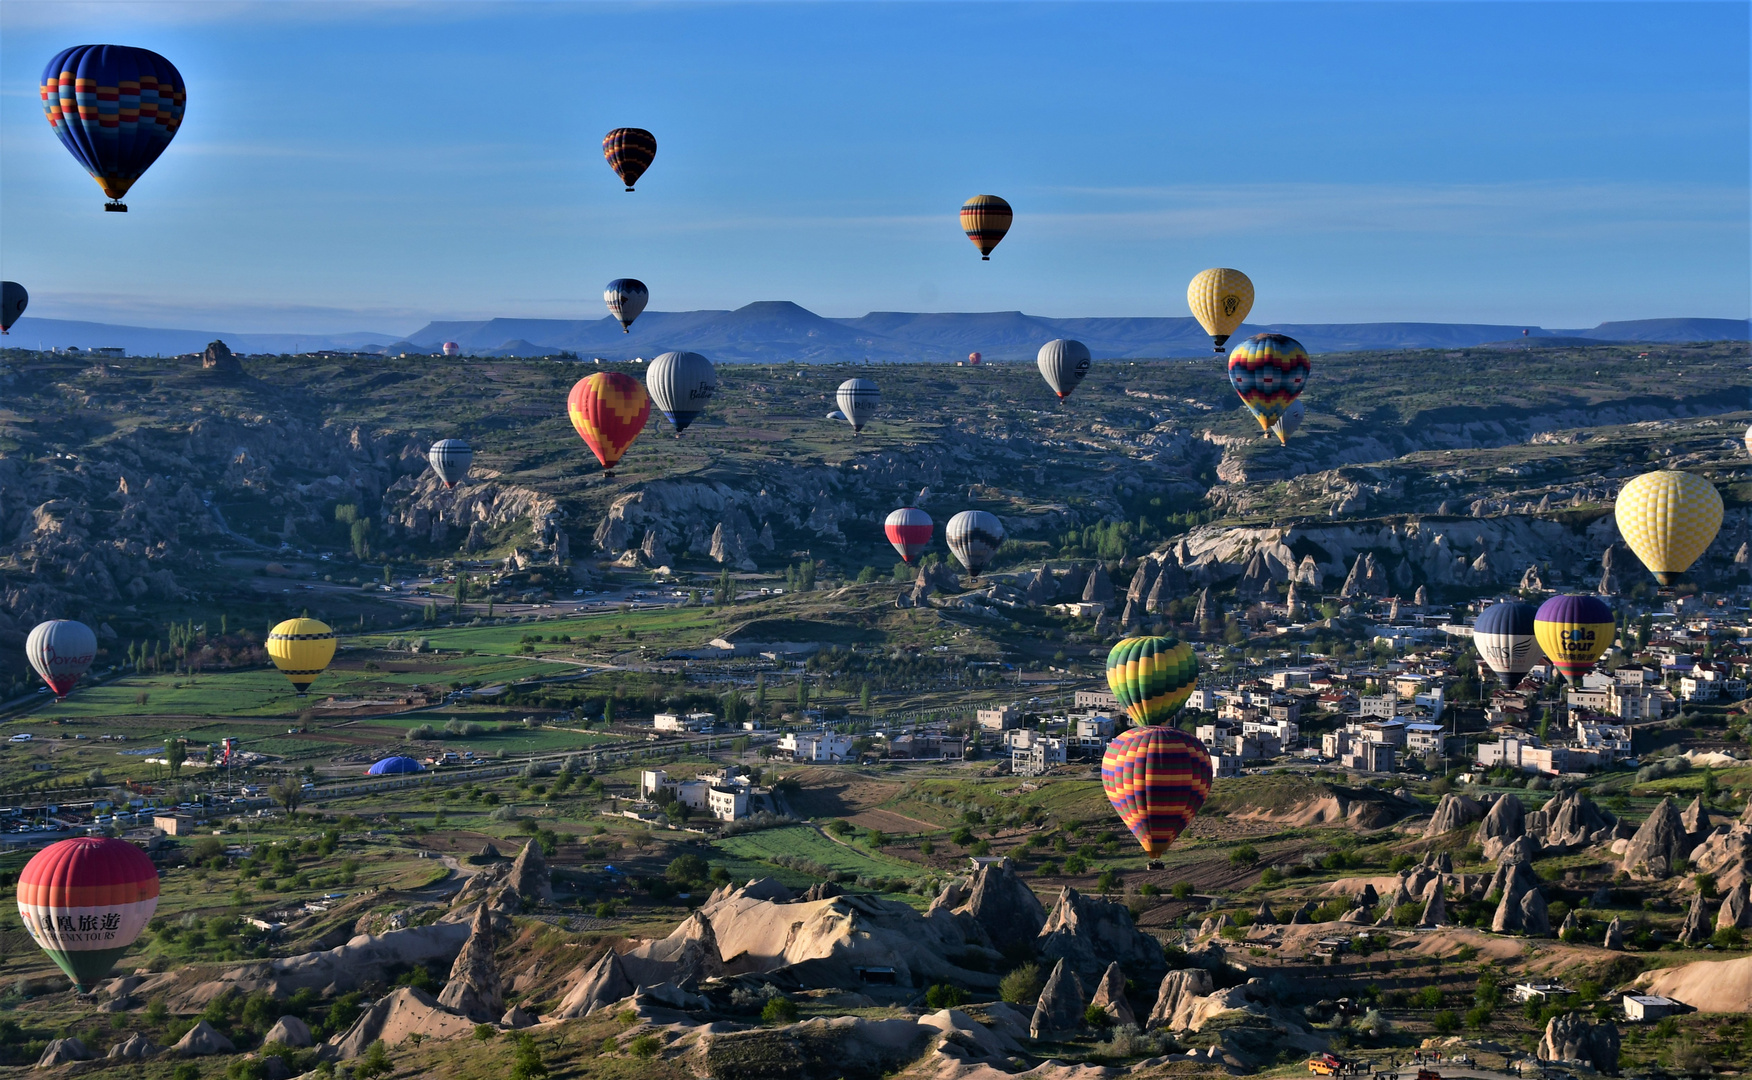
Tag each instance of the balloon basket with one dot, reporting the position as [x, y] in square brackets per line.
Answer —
[116, 207]
[985, 258]
[1155, 864]
[629, 189]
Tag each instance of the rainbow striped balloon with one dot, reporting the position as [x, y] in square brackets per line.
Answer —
[1268, 371]
[609, 409]
[1156, 778]
[1152, 677]
[85, 900]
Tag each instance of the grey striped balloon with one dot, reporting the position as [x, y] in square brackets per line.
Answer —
[450, 459]
[858, 399]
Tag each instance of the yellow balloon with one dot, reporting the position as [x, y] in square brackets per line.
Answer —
[1668, 518]
[301, 649]
[1220, 299]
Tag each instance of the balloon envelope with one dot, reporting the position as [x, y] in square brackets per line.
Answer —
[85, 900]
[985, 219]
[682, 385]
[1268, 371]
[13, 301]
[391, 766]
[974, 536]
[1156, 778]
[1506, 643]
[1668, 518]
[115, 108]
[629, 152]
[1063, 364]
[1289, 421]
[1748, 436]
[857, 398]
[301, 649]
[910, 530]
[1574, 631]
[1151, 677]
[973, 358]
[61, 650]
[1220, 300]
[450, 459]
[451, 348]
[609, 410]
[626, 297]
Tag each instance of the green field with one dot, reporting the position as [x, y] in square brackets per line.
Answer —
[804, 842]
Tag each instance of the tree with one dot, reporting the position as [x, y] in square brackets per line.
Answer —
[725, 595]
[175, 753]
[864, 699]
[1022, 985]
[528, 1064]
[685, 869]
[375, 1062]
[639, 838]
[288, 793]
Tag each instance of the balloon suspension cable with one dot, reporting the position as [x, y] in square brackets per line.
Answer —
[116, 207]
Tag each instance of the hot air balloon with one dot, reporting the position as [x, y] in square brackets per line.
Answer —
[857, 398]
[13, 301]
[985, 219]
[115, 108]
[1156, 778]
[626, 297]
[450, 459]
[1668, 518]
[1063, 364]
[974, 536]
[1505, 640]
[682, 385]
[1220, 300]
[1574, 631]
[629, 152]
[1748, 430]
[451, 348]
[973, 359]
[61, 650]
[1151, 677]
[390, 766]
[609, 410]
[1268, 371]
[301, 649]
[1289, 422]
[84, 901]
[909, 529]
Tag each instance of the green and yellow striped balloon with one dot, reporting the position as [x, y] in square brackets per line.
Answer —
[1152, 677]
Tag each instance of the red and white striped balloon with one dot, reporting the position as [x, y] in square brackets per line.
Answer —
[61, 650]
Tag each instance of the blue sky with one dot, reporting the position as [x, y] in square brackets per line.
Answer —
[363, 166]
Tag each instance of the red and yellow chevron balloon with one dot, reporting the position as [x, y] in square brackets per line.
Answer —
[609, 410]
[1268, 371]
[1152, 677]
[85, 900]
[1156, 778]
[985, 219]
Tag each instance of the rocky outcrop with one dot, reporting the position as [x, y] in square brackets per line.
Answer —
[516, 1019]
[1110, 997]
[1263, 916]
[201, 1040]
[1099, 588]
[1503, 825]
[1535, 920]
[1092, 934]
[61, 1051]
[1573, 1038]
[218, 358]
[1517, 883]
[1435, 912]
[1695, 818]
[1727, 854]
[1614, 935]
[1659, 843]
[1523, 849]
[473, 990]
[1736, 909]
[1175, 998]
[403, 1012]
[1568, 821]
[289, 1031]
[529, 876]
[1060, 1008]
[1003, 906]
[1696, 928]
[1453, 812]
[136, 1047]
[603, 983]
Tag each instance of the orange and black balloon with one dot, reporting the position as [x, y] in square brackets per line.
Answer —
[629, 152]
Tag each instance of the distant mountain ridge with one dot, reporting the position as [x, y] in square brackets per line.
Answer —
[779, 330]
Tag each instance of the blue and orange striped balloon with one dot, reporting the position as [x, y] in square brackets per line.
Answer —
[629, 152]
[115, 108]
[1268, 371]
[1157, 778]
[609, 409]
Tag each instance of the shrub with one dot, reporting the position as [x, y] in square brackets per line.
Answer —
[779, 1010]
[1271, 876]
[1445, 1022]
[1022, 985]
[485, 1032]
[1728, 937]
[1430, 997]
[645, 1047]
[1181, 890]
[944, 996]
[1245, 855]
[1478, 1017]
[1096, 1016]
